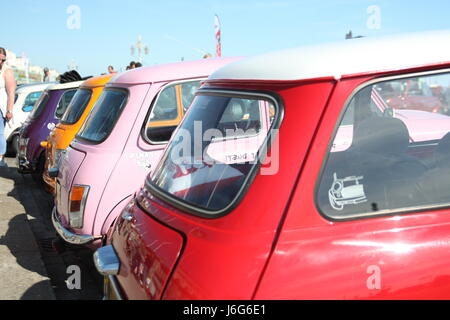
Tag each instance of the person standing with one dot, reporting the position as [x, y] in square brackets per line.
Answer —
[46, 75]
[7, 91]
[111, 70]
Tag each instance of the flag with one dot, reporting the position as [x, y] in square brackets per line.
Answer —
[217, 31]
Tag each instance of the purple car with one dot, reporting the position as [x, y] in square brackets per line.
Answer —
[45, 115]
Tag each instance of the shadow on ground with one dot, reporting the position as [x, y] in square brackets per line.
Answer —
[38, 205]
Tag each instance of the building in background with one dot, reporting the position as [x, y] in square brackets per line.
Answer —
[26, 73]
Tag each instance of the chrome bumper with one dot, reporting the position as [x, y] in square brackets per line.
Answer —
[69, 236]
[107, 263]
[23, 165]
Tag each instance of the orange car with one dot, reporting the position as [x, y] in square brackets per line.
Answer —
[72, 120]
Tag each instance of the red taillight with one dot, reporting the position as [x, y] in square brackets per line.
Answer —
[78, 197]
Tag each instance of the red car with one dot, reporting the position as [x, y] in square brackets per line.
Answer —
[413, 95]
[253, 200]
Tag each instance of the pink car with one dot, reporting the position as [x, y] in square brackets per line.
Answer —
[119, 143]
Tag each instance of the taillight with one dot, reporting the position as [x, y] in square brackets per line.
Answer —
[78, 197]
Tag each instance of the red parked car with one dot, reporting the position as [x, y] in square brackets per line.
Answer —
[412, 94]
[253, 200]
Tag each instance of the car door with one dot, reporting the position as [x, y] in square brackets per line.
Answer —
[369, 220]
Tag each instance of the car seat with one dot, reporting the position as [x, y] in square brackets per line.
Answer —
[379, 160]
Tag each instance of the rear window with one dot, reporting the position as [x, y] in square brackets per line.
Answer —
[64, 103]
[213, 153]
[77, 106]
[104, 115]
[40, 106]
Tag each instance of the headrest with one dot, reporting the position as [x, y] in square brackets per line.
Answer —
[381, 135]
[442, 151]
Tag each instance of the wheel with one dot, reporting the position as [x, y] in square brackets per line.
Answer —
[37, 175]
[13, 146]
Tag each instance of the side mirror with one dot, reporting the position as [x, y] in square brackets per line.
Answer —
[27, 108]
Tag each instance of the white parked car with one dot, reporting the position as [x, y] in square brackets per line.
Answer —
[25, 98]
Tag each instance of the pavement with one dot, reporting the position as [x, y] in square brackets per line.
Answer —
[30, 269]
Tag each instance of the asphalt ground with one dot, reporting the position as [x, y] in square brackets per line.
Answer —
[30, 267]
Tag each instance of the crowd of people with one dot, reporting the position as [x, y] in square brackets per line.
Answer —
[132, 65]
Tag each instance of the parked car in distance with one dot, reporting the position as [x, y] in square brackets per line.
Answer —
[413, 95]
[292, 216]
[119, 143]
[63, 133]
[45, 115]
[25, 98]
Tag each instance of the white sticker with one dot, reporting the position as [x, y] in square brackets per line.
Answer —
[346, 191]
[51, 126]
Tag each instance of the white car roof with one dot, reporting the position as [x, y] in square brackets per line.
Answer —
[32, 87]
[67, 85]
[347, 57]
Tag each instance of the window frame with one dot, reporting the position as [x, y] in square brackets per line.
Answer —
[155, 101]
[385, 212]
[45, 96]
[201, 212]
[59, 101]
[92, 142]
[89, 100]
[28, 95]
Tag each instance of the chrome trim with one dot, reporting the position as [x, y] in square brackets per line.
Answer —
[69, 236]
[106, 261]
[114, 286]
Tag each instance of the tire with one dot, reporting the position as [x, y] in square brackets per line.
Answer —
[37, 176]
[12, 146]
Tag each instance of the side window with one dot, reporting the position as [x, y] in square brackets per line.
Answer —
[168, 110]
[30, 100]
[188, 90]
[391, 151]
[64, 103]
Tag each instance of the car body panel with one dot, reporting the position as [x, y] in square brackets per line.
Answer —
[38, 129]
[20, 115]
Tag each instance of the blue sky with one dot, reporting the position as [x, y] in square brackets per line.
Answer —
[176, 29]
